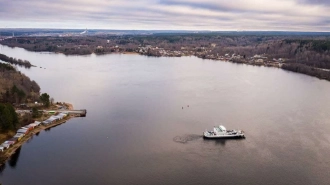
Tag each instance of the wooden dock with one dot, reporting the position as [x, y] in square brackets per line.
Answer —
[81, 113]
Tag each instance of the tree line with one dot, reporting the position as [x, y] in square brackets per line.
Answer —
[301, 68]
[15, 61]
[301, 53]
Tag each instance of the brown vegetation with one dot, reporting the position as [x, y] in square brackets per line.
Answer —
[15, 87]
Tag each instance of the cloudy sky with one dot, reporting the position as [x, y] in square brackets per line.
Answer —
[290, 15]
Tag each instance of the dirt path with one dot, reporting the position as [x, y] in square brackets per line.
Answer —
[69, 105]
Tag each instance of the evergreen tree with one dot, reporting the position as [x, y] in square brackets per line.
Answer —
[5, 117]
[44, 98]
[8, 117]
[35, 113]
[13, 115]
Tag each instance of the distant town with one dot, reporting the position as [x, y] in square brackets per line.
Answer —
[301, 52]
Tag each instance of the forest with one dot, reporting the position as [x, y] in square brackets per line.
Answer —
[15, 87]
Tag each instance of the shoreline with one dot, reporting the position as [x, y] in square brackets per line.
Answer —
[69, 105]
[322, 74]
[6, 154]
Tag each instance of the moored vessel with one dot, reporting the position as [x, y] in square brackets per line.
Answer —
[220, 132]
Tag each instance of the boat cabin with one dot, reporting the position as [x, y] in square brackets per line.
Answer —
[220, 129]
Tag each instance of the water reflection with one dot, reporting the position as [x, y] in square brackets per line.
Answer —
[186, 138]
[221, 141]
[14, 158]
[2, 168]
[30, 139]
[48, 129]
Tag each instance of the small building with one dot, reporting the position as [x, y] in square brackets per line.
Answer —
[29, 127]
[259, 61]
[46, 122]
[50, 120]
[36, 123]
[12, 140]
[23, 131]
[19, 136]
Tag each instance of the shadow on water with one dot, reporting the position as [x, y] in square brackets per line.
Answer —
[221, 141]
[192, 137]
[48, 129]
[2, 168]
[14, 158]
[186, 138]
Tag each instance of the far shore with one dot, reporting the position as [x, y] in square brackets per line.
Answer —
[267, 60]
[131, 53]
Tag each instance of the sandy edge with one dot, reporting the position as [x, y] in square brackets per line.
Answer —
[69, 105]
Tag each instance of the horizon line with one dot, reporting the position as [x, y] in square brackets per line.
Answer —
[181, 30]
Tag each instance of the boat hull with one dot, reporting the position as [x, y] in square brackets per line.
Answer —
[223, 136]
[220, 132]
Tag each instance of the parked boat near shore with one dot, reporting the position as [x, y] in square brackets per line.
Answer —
[220, 132]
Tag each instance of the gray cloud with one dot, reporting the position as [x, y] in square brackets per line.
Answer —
[315, 2]
[299, 15]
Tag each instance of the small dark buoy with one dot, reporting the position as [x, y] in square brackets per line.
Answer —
[182, 107]
[187, 105]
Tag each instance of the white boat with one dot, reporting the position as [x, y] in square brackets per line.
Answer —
[220, 132]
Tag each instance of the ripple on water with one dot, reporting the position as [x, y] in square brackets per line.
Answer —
[186, 138]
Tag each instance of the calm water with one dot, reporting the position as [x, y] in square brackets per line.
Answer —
[136, 131]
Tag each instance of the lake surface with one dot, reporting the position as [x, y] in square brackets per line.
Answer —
[140, 130]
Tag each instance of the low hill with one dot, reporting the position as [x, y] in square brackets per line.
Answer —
[15, 87]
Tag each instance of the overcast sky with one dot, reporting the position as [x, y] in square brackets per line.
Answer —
[286, 15]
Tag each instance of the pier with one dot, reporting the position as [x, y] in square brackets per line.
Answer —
[79, 113]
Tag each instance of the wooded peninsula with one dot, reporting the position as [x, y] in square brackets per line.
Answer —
[17, 91]
[23, 108]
